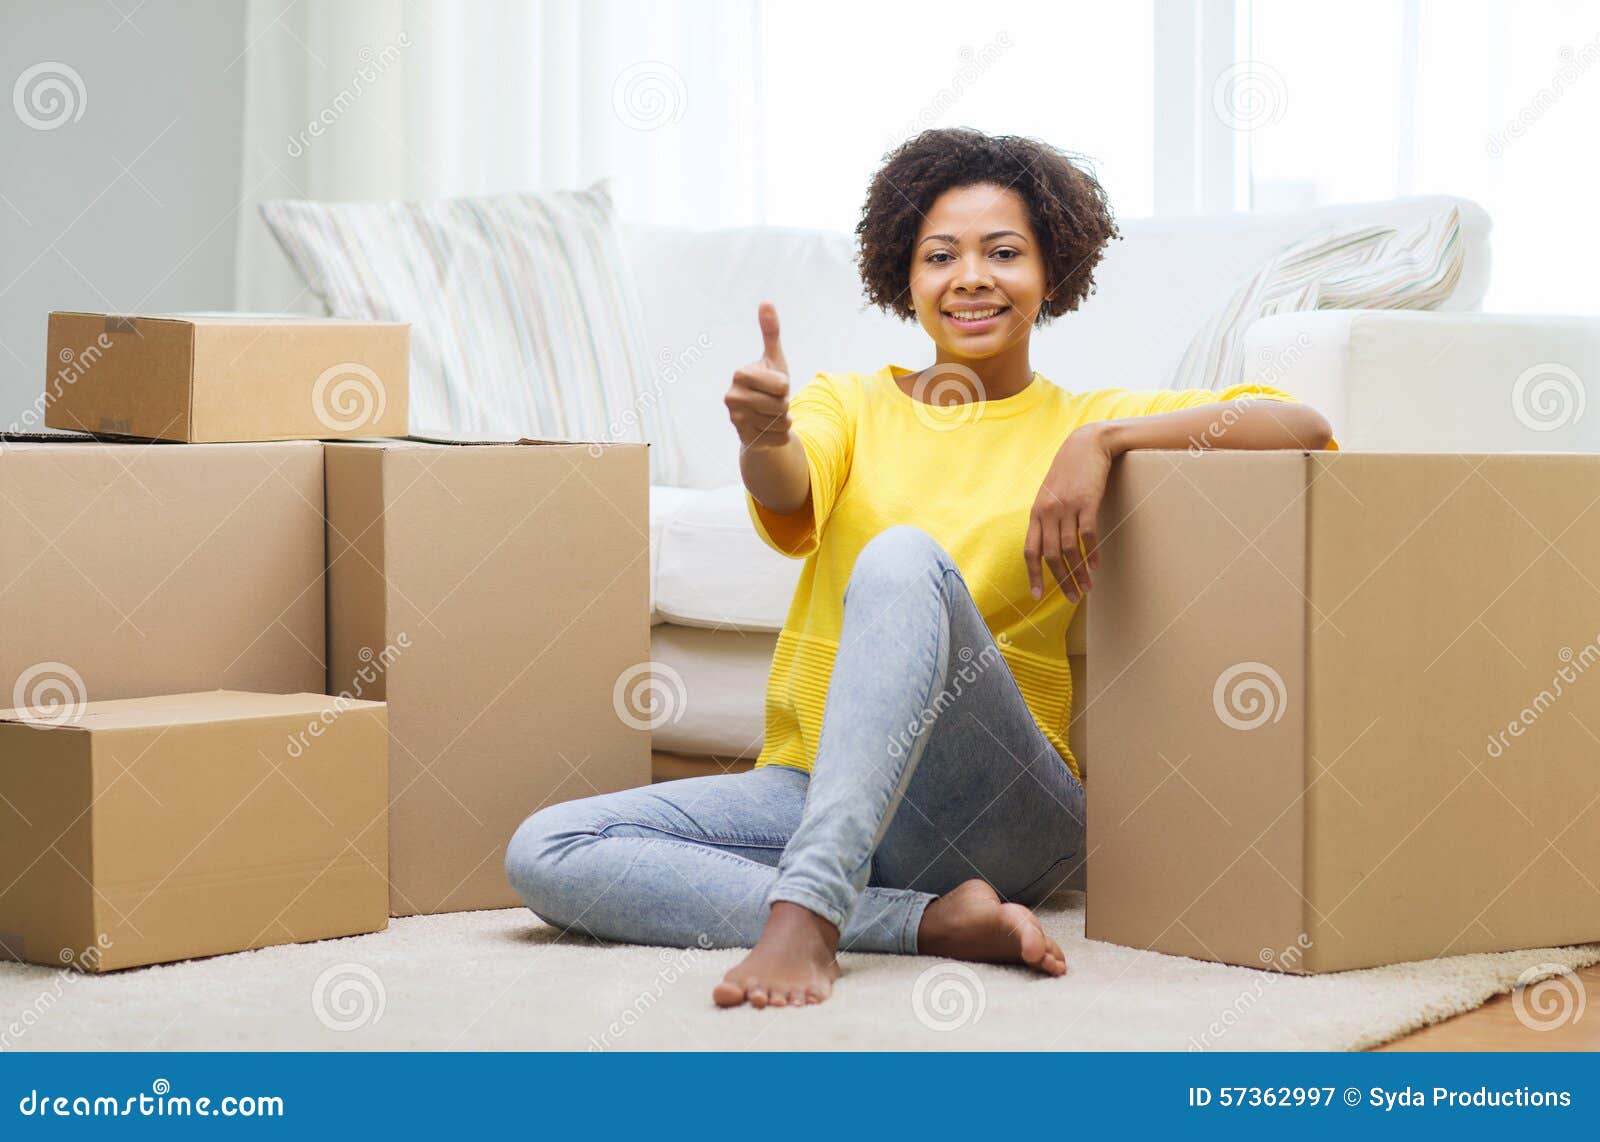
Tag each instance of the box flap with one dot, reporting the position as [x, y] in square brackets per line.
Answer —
[447, 437]
[218, 317]
[184, 709]
[127, 322]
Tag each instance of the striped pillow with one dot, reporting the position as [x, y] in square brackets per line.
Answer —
[1371, 267]
[525, 320]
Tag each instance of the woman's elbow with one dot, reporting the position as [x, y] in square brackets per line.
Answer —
[1315, 433]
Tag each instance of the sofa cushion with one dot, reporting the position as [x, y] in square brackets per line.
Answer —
[714, 687]
[712, 570]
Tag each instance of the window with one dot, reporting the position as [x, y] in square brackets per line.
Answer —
[844, 81]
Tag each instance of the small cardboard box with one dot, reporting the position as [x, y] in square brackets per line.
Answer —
[496, 596]
[146, 830]
[135, 569]
[1343, 707]
[221, 377]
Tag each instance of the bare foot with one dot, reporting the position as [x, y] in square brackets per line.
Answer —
[794, 963]
[970, 923]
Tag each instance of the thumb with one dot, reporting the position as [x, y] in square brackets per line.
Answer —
[771, 350]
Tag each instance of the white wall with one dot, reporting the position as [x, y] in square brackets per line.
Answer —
[131, 205]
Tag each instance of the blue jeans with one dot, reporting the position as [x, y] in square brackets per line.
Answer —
[929, 771]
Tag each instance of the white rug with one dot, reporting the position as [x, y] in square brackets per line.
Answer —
[503, 980]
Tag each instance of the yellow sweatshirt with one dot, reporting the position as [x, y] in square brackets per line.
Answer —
[968, 476]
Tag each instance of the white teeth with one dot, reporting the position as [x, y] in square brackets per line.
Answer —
[974, 314]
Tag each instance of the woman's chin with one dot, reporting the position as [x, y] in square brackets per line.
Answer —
[980, 346]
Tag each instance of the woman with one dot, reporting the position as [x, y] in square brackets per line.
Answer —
[915, 792]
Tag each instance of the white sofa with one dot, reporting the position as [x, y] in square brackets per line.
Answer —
[1391, 381]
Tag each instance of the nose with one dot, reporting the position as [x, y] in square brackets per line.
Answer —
[973, 274]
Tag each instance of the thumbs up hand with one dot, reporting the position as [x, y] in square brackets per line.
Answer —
[758, 401]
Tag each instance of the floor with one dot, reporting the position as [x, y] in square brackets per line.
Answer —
[505, 980]
[1495, 1026]
[1492, 1027]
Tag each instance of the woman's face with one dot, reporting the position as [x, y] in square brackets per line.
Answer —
[976, 254]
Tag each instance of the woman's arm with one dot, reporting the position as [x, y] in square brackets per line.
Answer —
[1247, 423]
[772, 461]
[777, 477]
[1063, 530]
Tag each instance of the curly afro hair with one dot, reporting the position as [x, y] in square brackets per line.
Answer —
[1066, 205]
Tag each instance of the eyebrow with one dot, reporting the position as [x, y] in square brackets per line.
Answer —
[989, 237]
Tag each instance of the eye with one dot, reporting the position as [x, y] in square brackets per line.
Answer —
[938, 257]
[1007, 250]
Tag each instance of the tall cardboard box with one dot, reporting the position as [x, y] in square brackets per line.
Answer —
[227, 377]
[496, 596]
[1345, 708]
[146, 830]
[137, 569]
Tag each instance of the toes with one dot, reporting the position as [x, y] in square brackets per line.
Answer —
[728, 993]
[758, 996]
[1057, 954]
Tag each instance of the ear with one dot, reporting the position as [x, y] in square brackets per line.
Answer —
[1044, 304]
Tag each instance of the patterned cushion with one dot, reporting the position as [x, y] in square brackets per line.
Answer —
[525, 320]
[1370, 267]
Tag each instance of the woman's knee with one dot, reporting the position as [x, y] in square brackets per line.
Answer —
[897, 556]
[536, 863]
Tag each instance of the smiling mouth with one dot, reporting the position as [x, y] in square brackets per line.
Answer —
[976, 316]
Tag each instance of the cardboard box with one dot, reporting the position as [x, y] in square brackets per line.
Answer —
[497, 598]
[146, 830]
[221, 377]
[137, 569]
[1342, 710]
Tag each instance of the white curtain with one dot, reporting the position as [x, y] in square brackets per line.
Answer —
[1495, 100]
[413, 99]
